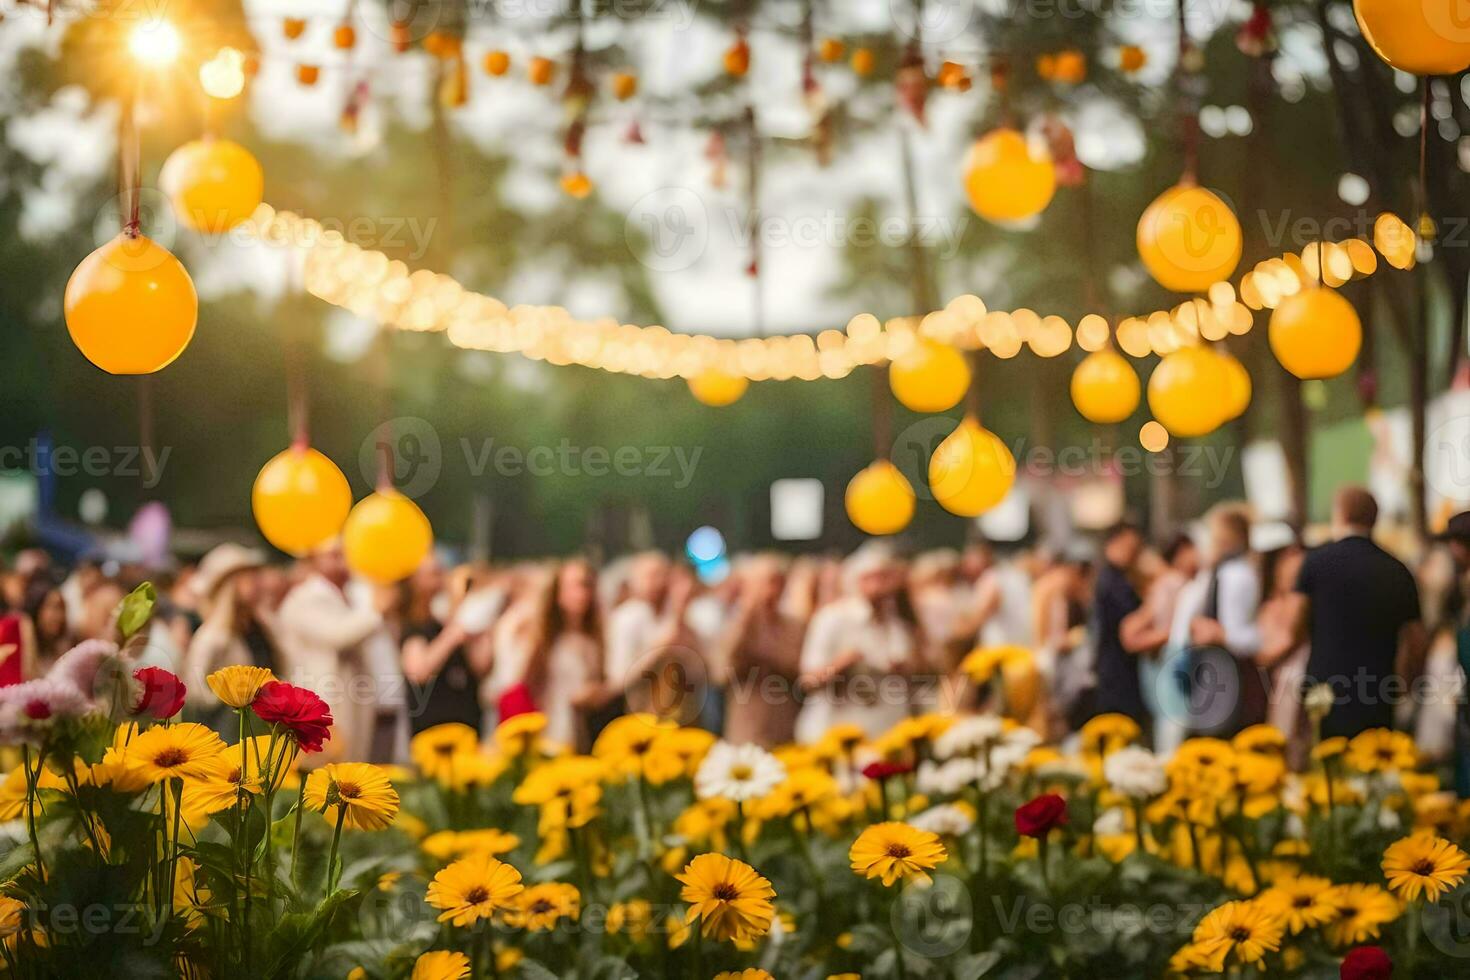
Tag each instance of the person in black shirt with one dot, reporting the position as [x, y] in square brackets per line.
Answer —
[1114, 599]
[1360, 608]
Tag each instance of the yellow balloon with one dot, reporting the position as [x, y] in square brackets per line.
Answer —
[1188, 392]
[717, 388]
[1237, 385]
[1007, 179]
[929, 377]
[1189, 239]
[879, 500]
[1421, 37]
[972, 470]
[1105, 388]
[386, 537]
[300, 500]
[1316, 333]
[130, 306]
[214, 184]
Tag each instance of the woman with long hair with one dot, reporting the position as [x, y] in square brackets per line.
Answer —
[559, 654]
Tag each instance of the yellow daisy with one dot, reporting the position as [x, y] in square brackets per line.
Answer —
[1302, 901]
[729, 897]
[433, 749]
[1244, 931]
[441, 964]
[893, 850]
[183, 751]
[1379, 750]
[474, 888]
[567, 790]
[237, 686]
[517, 735]
[1423, 864]
[750, 973]
[540, 907]
[1361, 911]
[363, 790]
[639, 745]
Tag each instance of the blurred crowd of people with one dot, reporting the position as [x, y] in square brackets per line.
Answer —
[1206, 633]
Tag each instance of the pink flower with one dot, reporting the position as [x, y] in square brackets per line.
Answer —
[82, 667]
[29, 709]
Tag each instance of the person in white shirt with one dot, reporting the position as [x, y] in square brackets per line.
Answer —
[320, 633]
[860, 650]
[557, 655]
[634, 624]
[1216, 625]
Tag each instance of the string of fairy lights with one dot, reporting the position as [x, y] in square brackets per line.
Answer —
[369, 284]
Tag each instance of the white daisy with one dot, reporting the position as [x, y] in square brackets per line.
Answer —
[946, 819]
[1135, 773]
[1111, 823]
[969, 736]
[738, 773]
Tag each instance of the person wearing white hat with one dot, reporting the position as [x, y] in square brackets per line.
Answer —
[860, 649]
[234, 631]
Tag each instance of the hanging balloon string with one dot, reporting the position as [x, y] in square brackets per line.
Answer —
[386, 462]
[972, 394]
[298, 403]
[1188, 116]
[1426, 228]
[753, 191]
[129, 163]
[1089, 244]
[882, 413]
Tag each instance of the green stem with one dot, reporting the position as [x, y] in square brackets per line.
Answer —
[173, 862]
[332, 874]
[296, 831]
[33, 781]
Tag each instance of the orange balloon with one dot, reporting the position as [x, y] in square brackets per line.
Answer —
[1189, 239]
[717, 389]
[1105, 388]
[972, 470]
[929, 377]
[879, 500]
[1189, 392]
[130, 306]
[1006, 180]
[1316, 334]
[300, 500]
[214, 184]
[1422, 37]
[386, 537]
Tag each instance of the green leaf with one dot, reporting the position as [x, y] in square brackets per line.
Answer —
[298, 933]
[135, 610]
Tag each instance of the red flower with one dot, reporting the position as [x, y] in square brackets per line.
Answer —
[301, 712]
[38, 710]
[162, 695]
[1366, 963]
[1039, 817]
[882, 770]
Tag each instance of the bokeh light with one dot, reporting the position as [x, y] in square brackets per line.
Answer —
[155, 43]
